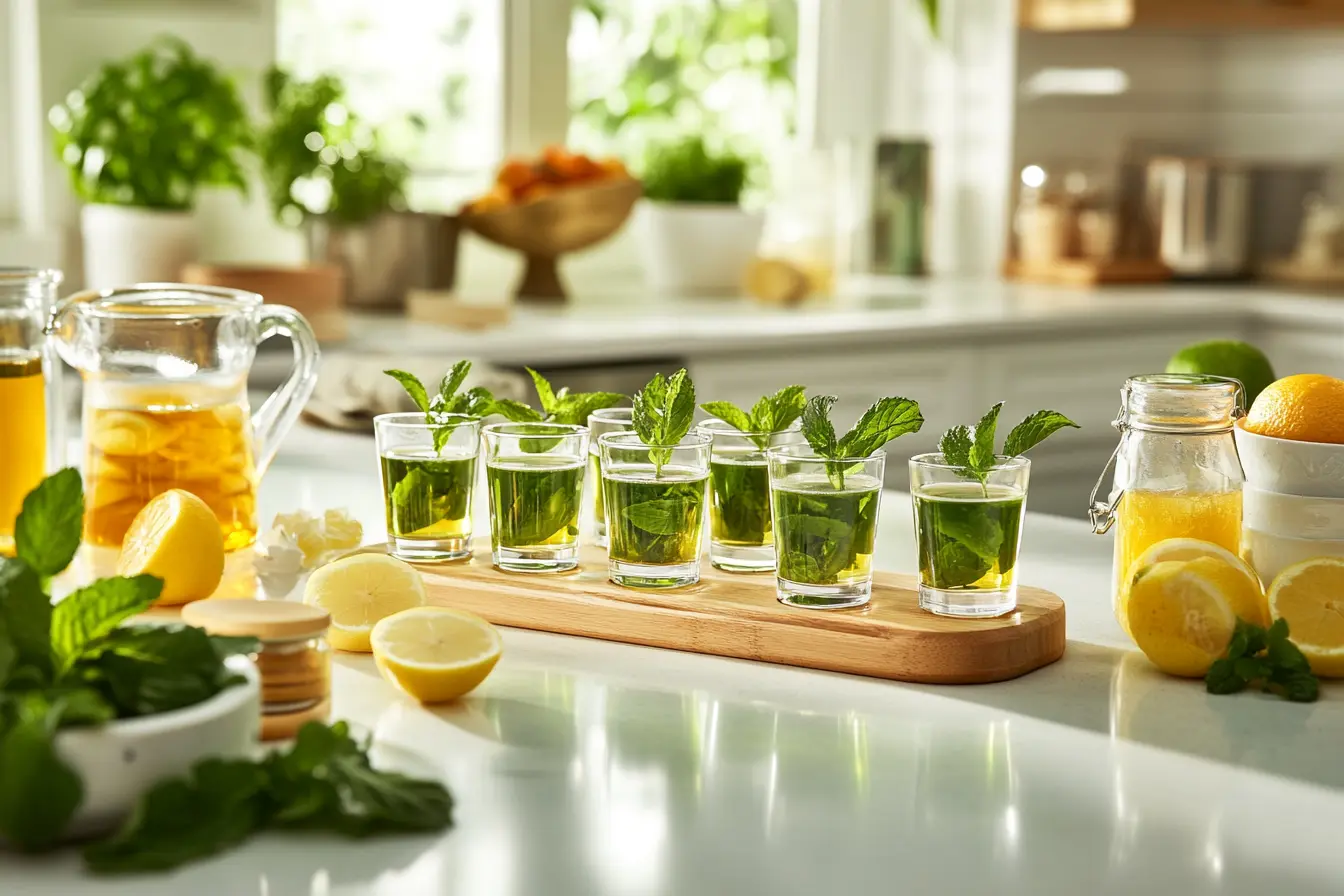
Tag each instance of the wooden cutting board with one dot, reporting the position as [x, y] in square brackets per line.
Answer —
[737, 615]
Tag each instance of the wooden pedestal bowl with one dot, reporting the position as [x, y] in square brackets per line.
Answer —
[571, 219]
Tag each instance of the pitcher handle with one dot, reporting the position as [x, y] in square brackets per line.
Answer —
[282, 407]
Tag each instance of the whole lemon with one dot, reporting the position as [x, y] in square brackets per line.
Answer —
[1307, 407]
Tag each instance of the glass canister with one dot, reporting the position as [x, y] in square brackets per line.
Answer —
[30, 412]
[1176, 469]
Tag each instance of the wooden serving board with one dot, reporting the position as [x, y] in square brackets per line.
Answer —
[737, 615]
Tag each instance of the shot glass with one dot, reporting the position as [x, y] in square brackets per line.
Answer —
[741, 535]
[825, 521]
[967, 534]
[429, 474]
[599, 424]
[534, 474]
[655, 502]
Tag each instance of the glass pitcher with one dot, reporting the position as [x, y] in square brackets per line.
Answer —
[1176, 469]
[165, 399]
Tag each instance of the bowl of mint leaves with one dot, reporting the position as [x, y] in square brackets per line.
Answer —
[144, 735]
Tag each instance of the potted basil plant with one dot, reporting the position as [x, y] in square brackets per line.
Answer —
[695, 236]
[140, 139]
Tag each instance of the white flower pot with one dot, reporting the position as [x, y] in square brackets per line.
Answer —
[124, 244]
[696, 248]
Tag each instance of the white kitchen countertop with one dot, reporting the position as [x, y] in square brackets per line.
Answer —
[887, 312]
[584, 768]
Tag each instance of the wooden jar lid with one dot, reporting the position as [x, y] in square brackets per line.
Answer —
[269, 620]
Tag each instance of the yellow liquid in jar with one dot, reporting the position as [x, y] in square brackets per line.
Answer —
[134, 455]
[23, 437]
[1144, 518]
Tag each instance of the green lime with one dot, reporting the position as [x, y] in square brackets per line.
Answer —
[1226, 357]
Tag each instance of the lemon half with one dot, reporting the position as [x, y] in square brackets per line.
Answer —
[435, 654]
[1180, 613]
[1248, 599]
[177, 538]
[1310, 595]
[358, 591]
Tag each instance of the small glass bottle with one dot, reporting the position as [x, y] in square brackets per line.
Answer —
[1176, 469]
[30, 401]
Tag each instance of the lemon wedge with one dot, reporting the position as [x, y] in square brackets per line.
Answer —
[1180, 613]
[177, 538]
[1310, 595]
[1248, 598]
[435, 654]
[358, 591]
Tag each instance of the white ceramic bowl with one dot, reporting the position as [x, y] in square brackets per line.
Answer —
[1288, 467]
[1284, 530]
[121, 760]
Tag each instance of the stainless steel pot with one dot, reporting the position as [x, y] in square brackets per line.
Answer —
[386, 257]
[1200, 212]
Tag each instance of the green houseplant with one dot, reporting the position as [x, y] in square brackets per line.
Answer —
[140, 139]
[696, 237]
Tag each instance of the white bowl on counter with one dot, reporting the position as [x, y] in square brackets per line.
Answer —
[121, 760]
[1283, 530]
[1289, 467]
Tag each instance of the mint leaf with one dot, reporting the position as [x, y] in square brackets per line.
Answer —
[662, 415]
[453, 380]
[47, 532]
[785, 406]
[93, 612]
[9, 655]
[817, 428]
[544, 392]
[414, 388]
[731, 414]
[664, 516]
[475, 402]
[1033, 430]
[39, 792]
[515, 411]
[1264, 656]
[149, 669]
[982, 445]
[956, 446]
[887, 419]
[574, 407]
[27, 613]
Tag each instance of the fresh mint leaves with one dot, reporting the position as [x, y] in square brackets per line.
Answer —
[887, 419]
[770, 415]
[324, 782]
[972, 449]
[662, 416]
[475, 402]
[94, 612]
[571, 408]
[1264, 657]
[47, 532]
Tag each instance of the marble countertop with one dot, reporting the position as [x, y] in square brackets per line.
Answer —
[872, 312]
[584, 767]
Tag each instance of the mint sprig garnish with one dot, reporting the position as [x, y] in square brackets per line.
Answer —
[662, 416]
[972, 448]
[475, 402]
[887, 419]
[1264, 657]
[771, 414]
[557, 406]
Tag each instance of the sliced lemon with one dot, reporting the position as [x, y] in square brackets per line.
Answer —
[177, 538]
[358, 591]
[1310, 595]
[1248, 600]
[435, 654]
[1180, 614]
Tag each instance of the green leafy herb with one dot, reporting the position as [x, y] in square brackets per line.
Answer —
[46, 534]
[92, 613]
[686, 171]
[1264, 657]
[887, 419]
[560, 407]
[475, 402]
[39, 792]
[973, 449]
[325, 782]
[655, 522]
[662, 416]
[771, 414]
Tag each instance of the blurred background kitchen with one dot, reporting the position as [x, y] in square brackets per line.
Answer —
[959, 200]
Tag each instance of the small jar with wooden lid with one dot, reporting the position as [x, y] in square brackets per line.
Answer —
[294, 658]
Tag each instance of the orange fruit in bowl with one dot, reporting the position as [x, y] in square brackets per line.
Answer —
[1307, 407]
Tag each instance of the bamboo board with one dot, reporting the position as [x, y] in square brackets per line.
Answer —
[737, 615]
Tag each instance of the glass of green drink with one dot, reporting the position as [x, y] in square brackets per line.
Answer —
[967, 534]
[741, 536]
[655, 503]
[599, 424]
[427, 489]
[824, 514]
[534, 474]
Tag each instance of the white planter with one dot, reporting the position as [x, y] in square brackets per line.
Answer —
[696, 248]
[124, 245]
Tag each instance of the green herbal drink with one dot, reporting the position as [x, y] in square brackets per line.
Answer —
[428, 496]
[595, 477]
[739, 488]
[968, 535]
[534, 501]
[655, 521]
[824, 535]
